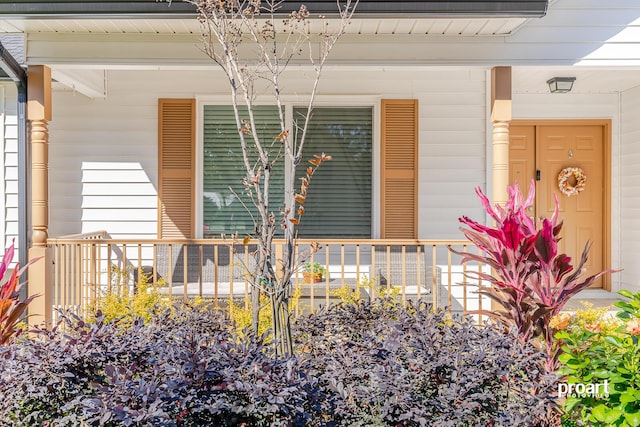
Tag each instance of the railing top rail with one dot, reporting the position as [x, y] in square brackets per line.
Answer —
[376, 242]
[99, 234]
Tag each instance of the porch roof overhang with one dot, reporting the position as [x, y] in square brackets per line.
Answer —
[145, 9]
[9, 67]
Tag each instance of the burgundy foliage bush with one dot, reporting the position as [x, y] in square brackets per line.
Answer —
[369, 364]
[531, 281]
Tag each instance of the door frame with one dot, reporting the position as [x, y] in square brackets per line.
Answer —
[606, 170]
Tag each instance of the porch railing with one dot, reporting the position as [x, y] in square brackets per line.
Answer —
[88, 266]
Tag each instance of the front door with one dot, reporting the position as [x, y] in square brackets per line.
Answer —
[542, 151]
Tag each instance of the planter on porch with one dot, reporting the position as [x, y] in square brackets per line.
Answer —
[312, 277]
[313, 272]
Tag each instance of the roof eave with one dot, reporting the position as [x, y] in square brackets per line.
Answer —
[11, 67]
[366, 9]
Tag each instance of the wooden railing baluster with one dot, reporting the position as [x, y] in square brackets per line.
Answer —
[435, 276]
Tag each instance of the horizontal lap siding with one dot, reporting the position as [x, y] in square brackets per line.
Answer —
[103, 164]
[630, 190]
[452, 149]
[9, 164]
[116, 140]
[119, 198]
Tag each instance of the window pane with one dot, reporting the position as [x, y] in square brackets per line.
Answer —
[339, 200]
[223, 167]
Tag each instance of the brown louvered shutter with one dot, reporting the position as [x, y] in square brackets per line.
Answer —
[399, 180]
[176, 146]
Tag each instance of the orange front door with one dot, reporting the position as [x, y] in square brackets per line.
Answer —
[542, 151]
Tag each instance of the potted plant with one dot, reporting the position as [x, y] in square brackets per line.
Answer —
[313, 272]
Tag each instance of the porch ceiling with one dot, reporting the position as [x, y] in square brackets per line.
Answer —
[532, 80]
[525, 80]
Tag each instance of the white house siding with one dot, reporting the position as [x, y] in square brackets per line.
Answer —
[9, 164]
[584, 106]
[103, 164]
[630, 189]
[103, 152]
[452, 162]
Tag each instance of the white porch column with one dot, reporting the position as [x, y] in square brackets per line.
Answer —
[500, 117]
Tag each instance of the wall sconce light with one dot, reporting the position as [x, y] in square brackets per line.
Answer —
[561, 84]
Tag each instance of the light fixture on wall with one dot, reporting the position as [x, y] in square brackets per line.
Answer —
[561, 84]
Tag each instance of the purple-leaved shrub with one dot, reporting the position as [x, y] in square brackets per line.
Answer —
[366, 364]
[383, 364]
[181, 368]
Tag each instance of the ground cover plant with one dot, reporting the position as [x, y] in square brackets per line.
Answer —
[358, 364]
[606, 353]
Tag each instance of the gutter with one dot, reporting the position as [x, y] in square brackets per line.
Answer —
[159, 9]
[19, 76]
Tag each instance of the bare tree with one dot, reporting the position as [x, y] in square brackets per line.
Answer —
[253, 43]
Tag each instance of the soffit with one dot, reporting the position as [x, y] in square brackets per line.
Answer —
[404, 26]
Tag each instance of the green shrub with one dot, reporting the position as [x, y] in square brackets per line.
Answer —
[240, 315]
[143, 303]
[595, 354]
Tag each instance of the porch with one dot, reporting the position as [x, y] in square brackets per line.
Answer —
[86, 267]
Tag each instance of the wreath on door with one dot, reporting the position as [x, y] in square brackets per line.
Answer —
[563, 181]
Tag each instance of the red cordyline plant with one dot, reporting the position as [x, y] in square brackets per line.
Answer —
[11, 308]
[530, 280]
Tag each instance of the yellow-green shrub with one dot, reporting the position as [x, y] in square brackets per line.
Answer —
[349, 295]
[595, 319]
[240, 313]
[145, 301]
[346, 294]
[119, 303]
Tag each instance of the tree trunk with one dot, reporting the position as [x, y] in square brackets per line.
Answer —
[282, 323]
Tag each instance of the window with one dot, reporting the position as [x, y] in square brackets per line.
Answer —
[223, 171]
[339, 200]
